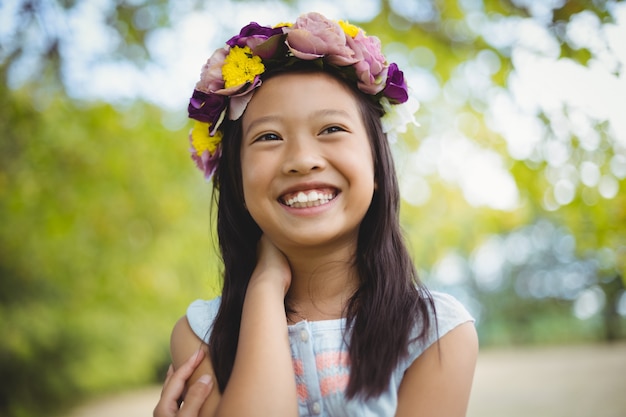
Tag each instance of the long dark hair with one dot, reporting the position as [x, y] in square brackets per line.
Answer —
[389, 302]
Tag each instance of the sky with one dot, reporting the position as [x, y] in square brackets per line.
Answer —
[541, 82]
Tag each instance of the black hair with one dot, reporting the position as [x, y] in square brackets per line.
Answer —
[389, 303]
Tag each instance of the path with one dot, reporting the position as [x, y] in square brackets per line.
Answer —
[574, 381]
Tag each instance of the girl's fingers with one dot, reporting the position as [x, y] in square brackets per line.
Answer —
[174, 386]
[190, 365]
[168, 376]
[196, 395]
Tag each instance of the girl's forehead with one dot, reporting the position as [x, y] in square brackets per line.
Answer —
[303, 80]
[299, 89]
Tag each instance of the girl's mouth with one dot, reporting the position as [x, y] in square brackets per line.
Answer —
[303, 199]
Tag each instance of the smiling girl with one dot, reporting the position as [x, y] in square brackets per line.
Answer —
[321, 311]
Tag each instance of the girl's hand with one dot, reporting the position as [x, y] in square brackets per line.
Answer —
[174, 386]
[272, 265]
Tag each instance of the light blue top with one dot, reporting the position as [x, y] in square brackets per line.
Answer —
[321, 362]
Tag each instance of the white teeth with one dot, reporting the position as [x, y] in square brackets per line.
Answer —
[311, 199]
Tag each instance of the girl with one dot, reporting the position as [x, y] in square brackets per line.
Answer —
[321, 311]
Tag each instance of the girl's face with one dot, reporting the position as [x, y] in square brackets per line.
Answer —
[307, 166]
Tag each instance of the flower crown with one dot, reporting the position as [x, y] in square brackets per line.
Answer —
[232, 73]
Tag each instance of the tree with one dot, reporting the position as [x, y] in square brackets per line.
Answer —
[100, 251]
[565, 154]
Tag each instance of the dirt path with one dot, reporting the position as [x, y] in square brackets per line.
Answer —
[576, 381]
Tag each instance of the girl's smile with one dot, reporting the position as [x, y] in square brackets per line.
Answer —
[308, 196]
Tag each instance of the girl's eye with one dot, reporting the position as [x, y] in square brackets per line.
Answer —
[333, 129]
[267, 137]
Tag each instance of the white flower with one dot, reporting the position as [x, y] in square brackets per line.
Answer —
[398, 116]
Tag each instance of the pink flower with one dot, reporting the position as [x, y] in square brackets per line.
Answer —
[371, 67]
[240, 100]
[211, 78]
[313, 36]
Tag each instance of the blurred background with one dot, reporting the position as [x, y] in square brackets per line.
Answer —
[513, 185]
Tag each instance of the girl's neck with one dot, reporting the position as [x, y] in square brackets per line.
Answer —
[321, 283]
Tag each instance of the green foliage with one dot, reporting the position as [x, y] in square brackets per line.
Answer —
[446, 223]
[101, 249]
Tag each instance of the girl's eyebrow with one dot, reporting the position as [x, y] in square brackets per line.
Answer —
[330, 112]
[276, 118]
[260, 121]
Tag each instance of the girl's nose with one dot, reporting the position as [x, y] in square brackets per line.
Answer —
[302, 157]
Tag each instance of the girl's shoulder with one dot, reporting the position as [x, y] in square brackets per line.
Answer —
[448, 313]
[201, 315]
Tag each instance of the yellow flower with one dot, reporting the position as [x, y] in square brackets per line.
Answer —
[202, 141]
[350, 29]
[241, 66]
[282, 25]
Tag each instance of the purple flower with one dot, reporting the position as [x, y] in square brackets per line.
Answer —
[396, 89]
[206, 107]
[313, 36]
[253, 35]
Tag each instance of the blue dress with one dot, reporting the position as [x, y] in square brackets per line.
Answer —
[322, 365]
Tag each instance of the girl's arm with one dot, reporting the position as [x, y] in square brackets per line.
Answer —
[184, 343]
[262, 382]
[439, 381]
